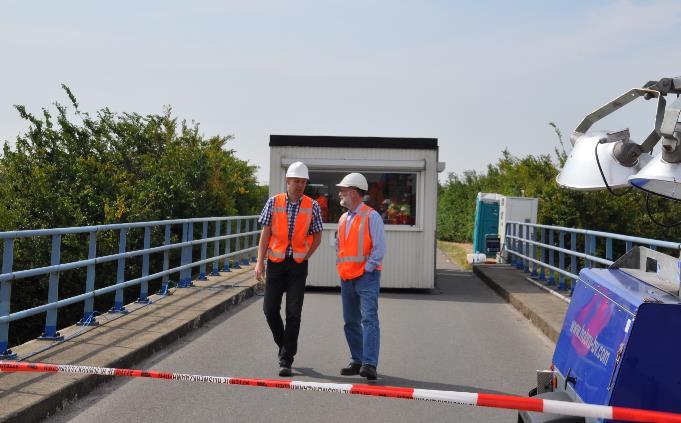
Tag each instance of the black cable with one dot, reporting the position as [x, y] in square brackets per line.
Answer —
[650, 215]
[600, 169]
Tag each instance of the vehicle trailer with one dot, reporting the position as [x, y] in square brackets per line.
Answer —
[619, 344]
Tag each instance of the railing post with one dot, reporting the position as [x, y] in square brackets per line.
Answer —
[186, 257]
[629, 246]
[120, 273]
[526, 266]
[5, 294]
[533, 251]
[592, 248]
[166, 262]
[144, 286]
[608, 249]
[516, 244]
[561, 260]
[552, 277]
[228, 244]
[204, 252]
[503, 246]
[510, 244]
[183, 256]
[190, 254]
[244, 257]
[89, 307]
[216, 250]
[542, 269]
[573, 258]
[51, 333]
[237, 244]
[587, 241]
[519, 246]
[254, 257]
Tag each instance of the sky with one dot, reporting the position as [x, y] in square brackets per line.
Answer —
[478, 76]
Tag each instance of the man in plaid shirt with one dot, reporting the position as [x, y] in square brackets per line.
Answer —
[292, 231]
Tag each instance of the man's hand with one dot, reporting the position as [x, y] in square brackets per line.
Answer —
[259, 271]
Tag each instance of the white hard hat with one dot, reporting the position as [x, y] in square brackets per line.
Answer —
[356, 180]
[297, 170]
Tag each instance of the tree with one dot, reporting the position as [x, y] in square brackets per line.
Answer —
[73, 168]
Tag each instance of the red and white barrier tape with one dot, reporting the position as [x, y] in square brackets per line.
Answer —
[467, 398]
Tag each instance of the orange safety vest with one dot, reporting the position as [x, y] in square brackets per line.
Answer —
[300, 240]
[355, 248]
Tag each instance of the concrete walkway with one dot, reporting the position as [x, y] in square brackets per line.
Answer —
[544, 310]
[119, 341]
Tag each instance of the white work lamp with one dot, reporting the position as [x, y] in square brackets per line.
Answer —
[662, 176]
[608, 160]
[581, 170]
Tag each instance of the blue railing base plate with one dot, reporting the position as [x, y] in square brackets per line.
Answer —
[8, 355]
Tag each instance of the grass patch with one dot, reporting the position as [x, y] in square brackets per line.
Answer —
[456, 252]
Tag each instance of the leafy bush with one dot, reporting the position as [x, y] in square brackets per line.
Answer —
[73, 168]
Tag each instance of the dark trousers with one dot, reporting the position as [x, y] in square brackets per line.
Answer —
[289, 277]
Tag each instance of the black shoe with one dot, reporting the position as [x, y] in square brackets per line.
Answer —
[285, 371]
[368, 371]
[351, 369]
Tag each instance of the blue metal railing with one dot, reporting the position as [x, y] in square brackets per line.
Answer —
[245, 250]
[528, 248]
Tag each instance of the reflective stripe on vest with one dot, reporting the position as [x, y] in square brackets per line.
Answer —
[350, 262]
[300, 240]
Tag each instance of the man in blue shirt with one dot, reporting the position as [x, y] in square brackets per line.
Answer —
[360, 252]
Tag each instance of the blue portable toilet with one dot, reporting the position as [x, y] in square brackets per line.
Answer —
[486, 229]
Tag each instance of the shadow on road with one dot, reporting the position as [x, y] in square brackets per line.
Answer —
[387, 380]
[452, 285]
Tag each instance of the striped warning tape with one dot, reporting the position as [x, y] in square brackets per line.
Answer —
[466, 398]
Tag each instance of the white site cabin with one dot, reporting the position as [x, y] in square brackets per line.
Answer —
[402, 177]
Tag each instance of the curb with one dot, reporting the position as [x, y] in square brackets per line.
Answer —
[537, 319]
[83, 386]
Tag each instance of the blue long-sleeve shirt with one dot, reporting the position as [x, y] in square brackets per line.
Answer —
[377, 238]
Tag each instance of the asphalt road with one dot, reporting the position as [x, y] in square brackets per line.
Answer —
[461, 337]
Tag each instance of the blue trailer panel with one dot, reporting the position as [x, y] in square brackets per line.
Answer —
[619, 344]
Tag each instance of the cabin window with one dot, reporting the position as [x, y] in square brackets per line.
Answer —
[391, 194]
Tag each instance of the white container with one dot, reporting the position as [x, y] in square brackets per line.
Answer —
[476, 258]
[515, 209]
[410, 258]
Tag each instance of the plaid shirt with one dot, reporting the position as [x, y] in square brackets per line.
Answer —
[292, 212]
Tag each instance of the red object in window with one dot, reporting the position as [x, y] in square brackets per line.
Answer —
[324, 207]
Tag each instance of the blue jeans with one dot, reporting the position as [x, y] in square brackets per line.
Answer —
[360, 312]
